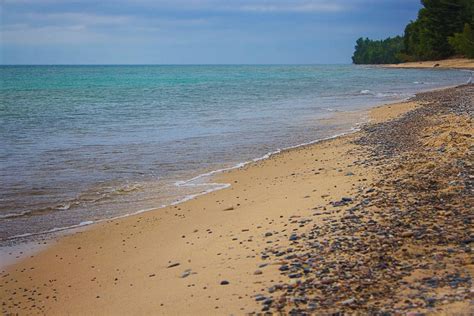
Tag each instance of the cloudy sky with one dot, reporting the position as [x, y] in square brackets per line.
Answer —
[194, 31]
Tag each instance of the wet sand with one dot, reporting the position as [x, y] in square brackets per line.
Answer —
[246, 248]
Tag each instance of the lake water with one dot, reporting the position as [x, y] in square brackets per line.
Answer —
[83, 143]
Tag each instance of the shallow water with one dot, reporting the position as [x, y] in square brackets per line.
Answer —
[83, 143]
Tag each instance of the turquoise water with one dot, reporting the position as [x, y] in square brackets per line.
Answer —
[84, 143]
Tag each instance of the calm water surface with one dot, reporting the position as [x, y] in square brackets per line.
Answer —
[83, 143]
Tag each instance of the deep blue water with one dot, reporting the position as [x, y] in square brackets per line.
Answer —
[82, 143]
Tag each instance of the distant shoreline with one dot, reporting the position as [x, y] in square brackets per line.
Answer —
[452, 63]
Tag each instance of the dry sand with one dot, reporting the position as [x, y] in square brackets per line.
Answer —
[457, 63]
[178, 260]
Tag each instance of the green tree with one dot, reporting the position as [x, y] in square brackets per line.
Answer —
[439, 32]
[463, 43]
[378, 52]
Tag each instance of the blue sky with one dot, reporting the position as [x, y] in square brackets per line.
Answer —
[194, 31]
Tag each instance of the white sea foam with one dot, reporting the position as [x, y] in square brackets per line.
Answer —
[188, 183]
[53, 230]
[12, 215]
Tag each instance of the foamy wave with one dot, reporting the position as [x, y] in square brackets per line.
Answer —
[381, 94]
[64, 206]
[61, 207]
[191, 183]
[12, 215]
[53, 230]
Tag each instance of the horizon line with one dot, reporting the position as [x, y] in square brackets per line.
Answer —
[186, 64]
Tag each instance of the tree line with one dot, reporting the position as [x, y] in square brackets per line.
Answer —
[444, 28]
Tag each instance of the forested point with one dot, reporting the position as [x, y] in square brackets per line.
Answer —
[444, 28]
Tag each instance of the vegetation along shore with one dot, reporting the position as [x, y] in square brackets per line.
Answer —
[443, 29]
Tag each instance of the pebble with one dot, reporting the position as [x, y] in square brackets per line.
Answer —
[366, 252]
[173, 265]
[186, 273]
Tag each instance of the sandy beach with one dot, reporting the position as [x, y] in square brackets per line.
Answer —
[378, 220]
[454, 63]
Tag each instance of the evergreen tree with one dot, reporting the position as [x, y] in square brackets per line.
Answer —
[463, 43]
[443, 28]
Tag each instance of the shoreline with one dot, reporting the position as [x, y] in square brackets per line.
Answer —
[179, 234]
[172, 194]
[24, 249]
[50, 234]
[453, 63]
[210, 174]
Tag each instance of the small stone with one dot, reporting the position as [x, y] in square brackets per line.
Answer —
[258, 272]
[173, 265]
[295, 275]
[186, 273]
[224, 282]
[284, 268]
[260, 297]
[348, 302]
[293, 237]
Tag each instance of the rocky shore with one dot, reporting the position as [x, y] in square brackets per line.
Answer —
[402, 244]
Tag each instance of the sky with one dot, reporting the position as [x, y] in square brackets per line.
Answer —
[194, 31]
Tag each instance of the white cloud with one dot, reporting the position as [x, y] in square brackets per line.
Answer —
[261, 6]
[210, 5]
[305, 7]
[81, 18]
[39, 24]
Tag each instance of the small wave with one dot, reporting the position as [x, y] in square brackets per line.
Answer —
[12, 215]
[60, 207]
[126, 189]
[64, 207]
[53, 230]
[190, 182]
[385, 95]
[381, 94]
